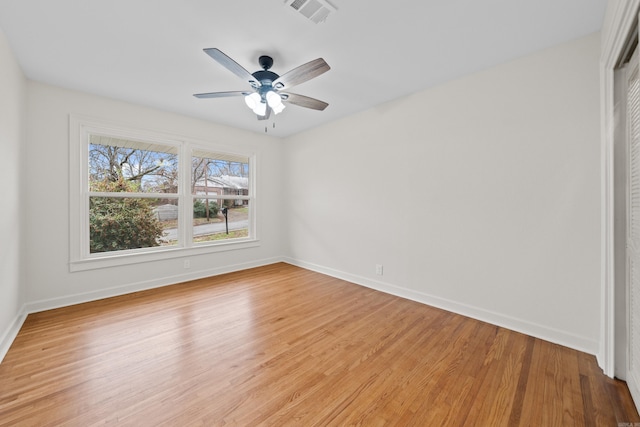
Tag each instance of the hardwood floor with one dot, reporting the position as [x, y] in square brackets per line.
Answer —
[279, 345]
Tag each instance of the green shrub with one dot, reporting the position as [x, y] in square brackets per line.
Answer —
[121, 223]
[200, 211]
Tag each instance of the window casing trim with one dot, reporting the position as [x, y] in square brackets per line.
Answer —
[80, 127]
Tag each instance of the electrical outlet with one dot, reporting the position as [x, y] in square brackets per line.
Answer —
[379, 269]
[187, 263]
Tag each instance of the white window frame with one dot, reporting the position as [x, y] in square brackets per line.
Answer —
[80, 259]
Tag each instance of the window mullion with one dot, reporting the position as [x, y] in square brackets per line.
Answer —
[134, 195]
[90, 141]
[185, 228]
[223, 196]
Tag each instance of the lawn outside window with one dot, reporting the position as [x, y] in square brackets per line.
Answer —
[139, 195]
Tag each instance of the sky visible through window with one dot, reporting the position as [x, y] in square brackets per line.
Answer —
[117, 166]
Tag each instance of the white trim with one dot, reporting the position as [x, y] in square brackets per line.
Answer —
[134, 195]
[632, 385]
[556, 336]
[49, 304]
[80, 259]
[158, 254]
[539, 331]
[616, 29]
[12, 332]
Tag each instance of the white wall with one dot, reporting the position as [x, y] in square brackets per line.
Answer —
[12, 126]
[49, 282]
[480, 196]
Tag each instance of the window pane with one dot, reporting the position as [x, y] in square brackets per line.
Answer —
[219, 174]
[216, 226]
[117, 224]
[119, 165]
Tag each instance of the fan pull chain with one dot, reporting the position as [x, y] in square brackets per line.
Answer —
[273, 125]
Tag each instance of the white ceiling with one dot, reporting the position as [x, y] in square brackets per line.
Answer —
[149, 52]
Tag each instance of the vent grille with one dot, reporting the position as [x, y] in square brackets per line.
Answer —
[314, 10]
[297, 4]
[310, 8]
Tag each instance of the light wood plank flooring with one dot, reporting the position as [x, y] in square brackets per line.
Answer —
[279, 345]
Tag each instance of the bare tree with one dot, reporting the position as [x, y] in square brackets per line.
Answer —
[150, 170]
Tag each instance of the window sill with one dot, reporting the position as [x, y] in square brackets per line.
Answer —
[116, 260]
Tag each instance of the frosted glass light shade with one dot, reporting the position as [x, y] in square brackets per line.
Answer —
[252, 100]
[260, 109]
[275, 102]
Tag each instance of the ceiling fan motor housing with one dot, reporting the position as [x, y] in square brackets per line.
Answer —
[266, 79]
[264, 76]
[266, 94]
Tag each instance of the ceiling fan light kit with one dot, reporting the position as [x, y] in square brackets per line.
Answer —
[266, 95]
[274, 101]
[254, 102]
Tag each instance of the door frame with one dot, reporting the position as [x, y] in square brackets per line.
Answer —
[619, 21]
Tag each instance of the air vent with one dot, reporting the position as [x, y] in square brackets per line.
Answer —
[297, 4]
[314, 10]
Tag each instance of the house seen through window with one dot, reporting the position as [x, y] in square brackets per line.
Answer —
[142, 195]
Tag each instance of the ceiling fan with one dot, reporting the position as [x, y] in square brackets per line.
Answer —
[269, 90]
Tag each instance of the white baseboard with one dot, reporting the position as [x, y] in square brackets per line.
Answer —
[539, 331]
[632, 383]
[556, 336]
[49, 304]
[12, 332]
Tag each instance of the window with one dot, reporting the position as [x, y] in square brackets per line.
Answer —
[139, 195]
[219, 185]
[133, 194]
